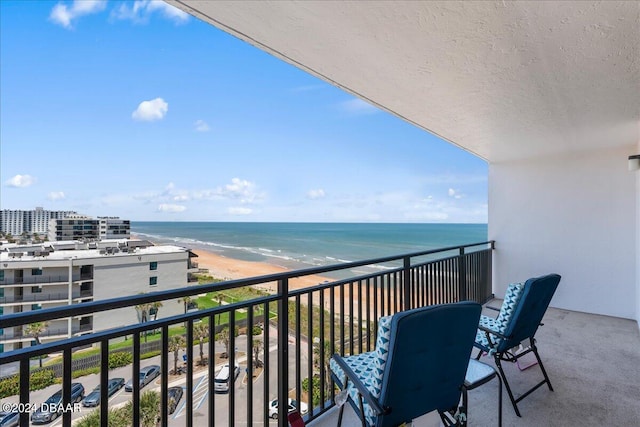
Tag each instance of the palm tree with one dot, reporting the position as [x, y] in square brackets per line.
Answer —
[186, 301]
[223, 338]
[155, 307]
[143, 310]
[257, 349]
[201, 331]
[35, 330]
[149, 408]
[219, 298]
[176, 343]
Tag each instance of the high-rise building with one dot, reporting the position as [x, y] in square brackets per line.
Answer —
[63, 225]
[16, 222]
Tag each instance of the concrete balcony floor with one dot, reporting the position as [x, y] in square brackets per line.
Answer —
[593, 363]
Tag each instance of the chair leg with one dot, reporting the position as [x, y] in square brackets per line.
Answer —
[499, 400]
[463, 415]
[340, 415]
[479, 355]
[544, 371]
[506, 384]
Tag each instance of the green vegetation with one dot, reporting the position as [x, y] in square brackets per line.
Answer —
[121, 417]
[315, 387]
[38, 380]
[119, 359]
[205, 278]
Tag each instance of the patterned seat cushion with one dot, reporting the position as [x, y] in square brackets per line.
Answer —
[499, 324]
[369, 367]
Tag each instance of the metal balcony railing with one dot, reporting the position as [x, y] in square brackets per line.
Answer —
[301, 328]
[44, 280]
[44, 297]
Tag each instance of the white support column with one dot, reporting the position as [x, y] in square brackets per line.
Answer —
[70, 298]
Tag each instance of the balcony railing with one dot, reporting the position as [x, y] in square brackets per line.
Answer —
[301, 328]
[43, 280]
[44, 297]
[47, 334]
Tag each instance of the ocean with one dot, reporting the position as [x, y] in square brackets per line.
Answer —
[303, 245]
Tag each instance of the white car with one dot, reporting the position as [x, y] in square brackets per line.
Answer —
[223, 378]
[293, 404]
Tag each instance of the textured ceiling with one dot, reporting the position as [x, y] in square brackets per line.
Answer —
[503, 80]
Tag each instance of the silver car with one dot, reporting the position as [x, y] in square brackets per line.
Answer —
[147, 374]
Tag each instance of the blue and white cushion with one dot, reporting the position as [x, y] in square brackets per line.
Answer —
[499, 324]
[369, 367]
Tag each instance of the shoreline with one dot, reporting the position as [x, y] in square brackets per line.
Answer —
[225, 268]
[222, 267]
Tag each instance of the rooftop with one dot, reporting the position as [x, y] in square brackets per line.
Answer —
[63, 250]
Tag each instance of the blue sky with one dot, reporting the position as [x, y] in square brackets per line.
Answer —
[137, 110]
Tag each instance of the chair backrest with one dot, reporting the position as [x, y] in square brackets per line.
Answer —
[528, 313]
[429, 350]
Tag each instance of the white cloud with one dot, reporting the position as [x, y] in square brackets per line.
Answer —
[358, 106]
[316, 194]
[21, 181]
[308, 88]
[454, 193]
[56, 195]
[167, 207]
[63, 15]
[141, 11]
[240, 189]
[149, 111]
[239, 211]
[201, 126]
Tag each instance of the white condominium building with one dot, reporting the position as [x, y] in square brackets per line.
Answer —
[16, 222]
[114, 228]
[62, 273]
[80, 227]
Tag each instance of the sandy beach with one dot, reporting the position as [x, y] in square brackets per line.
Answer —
[221, 267]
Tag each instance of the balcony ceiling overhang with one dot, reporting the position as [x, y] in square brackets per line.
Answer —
[503, 80]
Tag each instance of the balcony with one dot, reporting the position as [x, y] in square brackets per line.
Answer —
[44, 298]
[44, 280]
[342, 314]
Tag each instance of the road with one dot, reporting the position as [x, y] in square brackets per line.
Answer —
[200, 389]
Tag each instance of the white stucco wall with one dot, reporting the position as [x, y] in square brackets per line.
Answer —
[574, 215]
[637, 173]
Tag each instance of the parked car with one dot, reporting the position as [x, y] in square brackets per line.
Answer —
[147, 374]
[293, 404]
[223, 378]
[9, 419]
[174, 394]
[93, 398]
[47, 411]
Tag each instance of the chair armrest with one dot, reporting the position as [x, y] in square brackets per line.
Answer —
[362, 389]
[492, 332]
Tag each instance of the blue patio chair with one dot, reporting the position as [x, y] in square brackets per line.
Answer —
[521, 313]
[418, 366]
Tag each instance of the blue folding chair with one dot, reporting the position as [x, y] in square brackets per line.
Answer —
[418, 366]
[521, 313]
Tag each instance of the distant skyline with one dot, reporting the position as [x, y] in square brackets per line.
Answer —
[138, 110]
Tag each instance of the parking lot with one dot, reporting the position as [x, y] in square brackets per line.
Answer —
[200, 391]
